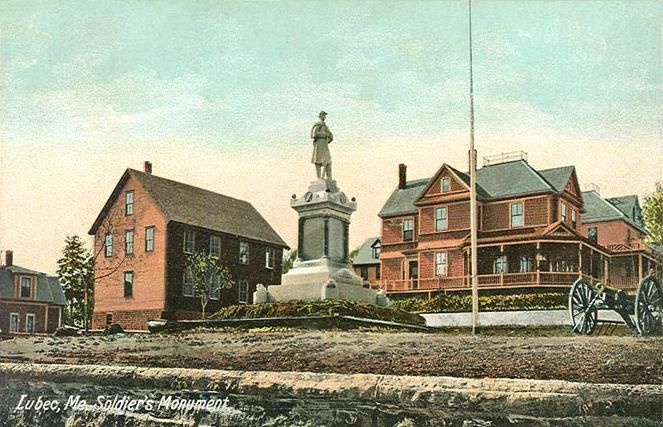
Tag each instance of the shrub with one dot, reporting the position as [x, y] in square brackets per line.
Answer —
[319, 308]
[462, 303]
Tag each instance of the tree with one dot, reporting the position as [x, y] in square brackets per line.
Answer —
[207, 277]
[76, 274]
[652, 214]
[289, 258]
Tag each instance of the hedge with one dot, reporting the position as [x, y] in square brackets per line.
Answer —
[318, 308]
[462, 303]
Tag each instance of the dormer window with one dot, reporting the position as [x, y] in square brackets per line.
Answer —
[376, 250]
[129, 203]
[26, 287]
[445, 185]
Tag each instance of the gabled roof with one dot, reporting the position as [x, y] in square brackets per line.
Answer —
[401, 201]
[599, 209]
[628, 205]
[195, 206]
[558, 177]
[48, 287]
[365, 253]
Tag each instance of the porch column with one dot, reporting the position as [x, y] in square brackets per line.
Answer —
[537, 259]
[507, 265]
[606, 271]
[591, 264]
[46, 318]
[580, 260]
[640, 268]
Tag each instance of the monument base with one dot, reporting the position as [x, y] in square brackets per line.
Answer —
[320, 280]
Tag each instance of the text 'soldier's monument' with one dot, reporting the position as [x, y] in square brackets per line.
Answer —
[322, 270]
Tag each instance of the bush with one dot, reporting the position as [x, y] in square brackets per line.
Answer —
[462, 303]
[318, 308]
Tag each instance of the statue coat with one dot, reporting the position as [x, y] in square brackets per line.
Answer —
[322, 136]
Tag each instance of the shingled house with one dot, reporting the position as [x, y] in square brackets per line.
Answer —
[529, 230]
[145, 232]
[616, 224]
[30, 302]
[366, 263]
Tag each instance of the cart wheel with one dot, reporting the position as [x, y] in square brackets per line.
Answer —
[648, 306]
[582, 309]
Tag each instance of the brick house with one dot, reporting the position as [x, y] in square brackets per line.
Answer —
[616, 224]
[144, 234]
[367, 262]
[30, 302]
[529, 233]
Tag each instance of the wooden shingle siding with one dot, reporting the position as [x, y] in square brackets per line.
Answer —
[536, 211]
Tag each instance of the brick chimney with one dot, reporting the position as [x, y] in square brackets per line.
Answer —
[9, 258]
[402, 176]
[147, 167]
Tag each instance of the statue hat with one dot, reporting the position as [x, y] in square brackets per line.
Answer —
[322, 113]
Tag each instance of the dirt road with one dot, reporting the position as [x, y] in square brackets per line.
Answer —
[607, 359]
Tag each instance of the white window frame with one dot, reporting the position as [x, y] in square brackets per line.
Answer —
[189, 242]
[573, 218]
[377, 247]
[20, 287]
[243, 289]
[129, 203]
[442, 182]
[129, 242]
[243, 259]
[28, 316]
[18, 322]
[108, 248]
[269, 258]
[124, 283]
[501, 264]
[215, 291]
[520, 215]
[187, 282]
[409, 221]
[441, 264]
[149, 239]
[444, 218]
[563, 211]
[596, 234]
[528, 262]
[215, 246]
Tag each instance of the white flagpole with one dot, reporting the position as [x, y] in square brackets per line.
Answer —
[473, 198]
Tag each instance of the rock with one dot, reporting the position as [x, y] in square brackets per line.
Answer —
[113, 329]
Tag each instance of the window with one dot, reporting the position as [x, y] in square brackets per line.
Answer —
[129, 203]
[108, 245]
[573, 218]
[243, 292]
[441, 264]
[500, 265]
[149, 239]
[269, 258]
[128, 284]
[187, 284]
[13, 322]
[215, 289]
[189, 241]
[376, 250]
[26, 287]
[563, 212]
[408, 226]
[215, 246]
[109, 319]
[593, 235]
[517, 215]
[445, 185]
[30, 323]
[129, 242]
[526, 264]
[377, 271]
[441, 222]
[364, 273]
[244, 252]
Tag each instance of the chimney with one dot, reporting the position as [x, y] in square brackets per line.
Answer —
[148, 167]
[402, 176]
[9, 258]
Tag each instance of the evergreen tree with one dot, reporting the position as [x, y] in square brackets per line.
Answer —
[76, 274]
[208, 278]
[652, 214]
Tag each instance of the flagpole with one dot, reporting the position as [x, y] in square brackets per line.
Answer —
[473, 198]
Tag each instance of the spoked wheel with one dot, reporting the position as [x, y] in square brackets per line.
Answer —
[584, 314]
[648, 306]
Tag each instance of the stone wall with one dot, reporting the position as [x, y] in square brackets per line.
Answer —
[300, 398]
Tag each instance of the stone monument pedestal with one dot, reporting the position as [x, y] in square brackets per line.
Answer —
[322, 270]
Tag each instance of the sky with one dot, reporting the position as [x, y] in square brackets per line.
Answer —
[222, 95]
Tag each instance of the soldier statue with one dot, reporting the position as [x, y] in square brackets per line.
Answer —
[322, 137]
